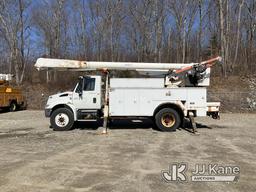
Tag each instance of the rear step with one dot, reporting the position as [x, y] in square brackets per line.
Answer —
[213, 109]
[85, 115]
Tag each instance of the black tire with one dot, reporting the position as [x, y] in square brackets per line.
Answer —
[167, 120]
[13, 106]
[65, 121]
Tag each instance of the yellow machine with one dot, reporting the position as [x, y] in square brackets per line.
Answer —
[10, 97]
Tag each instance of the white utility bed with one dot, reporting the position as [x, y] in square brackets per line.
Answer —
[140, 97]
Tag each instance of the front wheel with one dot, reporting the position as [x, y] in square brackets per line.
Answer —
[167, 120]
[62, 119]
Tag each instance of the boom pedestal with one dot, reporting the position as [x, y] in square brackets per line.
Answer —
[106, 105]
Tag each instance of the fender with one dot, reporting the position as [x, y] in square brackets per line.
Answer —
[69, 106]
[73, 110]
[177, 105]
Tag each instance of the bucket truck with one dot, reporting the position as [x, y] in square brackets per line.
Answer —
[10, 97]
[180, 92]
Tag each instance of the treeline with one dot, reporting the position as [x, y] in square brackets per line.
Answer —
[127, 30]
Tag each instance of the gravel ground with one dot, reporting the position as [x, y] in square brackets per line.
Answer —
[130, 158]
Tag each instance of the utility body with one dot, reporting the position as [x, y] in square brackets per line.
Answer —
[166, 100]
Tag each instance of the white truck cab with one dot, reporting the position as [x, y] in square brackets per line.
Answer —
[84, 99]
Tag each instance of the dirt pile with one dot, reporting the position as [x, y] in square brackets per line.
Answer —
[251, 99]
[236, 93]
[37, 94]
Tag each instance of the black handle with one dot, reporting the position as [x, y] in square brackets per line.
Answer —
[94, 100]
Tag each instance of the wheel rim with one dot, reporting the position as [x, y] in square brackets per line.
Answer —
[62, 120]
[168, 120]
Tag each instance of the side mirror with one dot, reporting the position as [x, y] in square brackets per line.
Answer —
[80, 93]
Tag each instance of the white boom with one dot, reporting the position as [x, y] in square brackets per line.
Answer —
[61, 64]
[200, 72]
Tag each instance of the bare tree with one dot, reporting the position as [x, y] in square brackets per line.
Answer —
[222, 34]
[250, 25]
[200, 3]
[50, 20]
[82, 39]
[183, 12]
[142, 20]
[159, 26]
[14, 31]
[241, 4]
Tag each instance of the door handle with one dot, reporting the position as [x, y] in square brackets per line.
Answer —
[94, 100]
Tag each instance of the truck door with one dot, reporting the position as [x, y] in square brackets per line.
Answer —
[87, 94]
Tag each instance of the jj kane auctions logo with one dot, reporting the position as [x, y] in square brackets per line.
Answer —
[201, 173]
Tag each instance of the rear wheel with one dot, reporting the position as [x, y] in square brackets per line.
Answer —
[62, 119]
[167, 120]
[13, 106]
